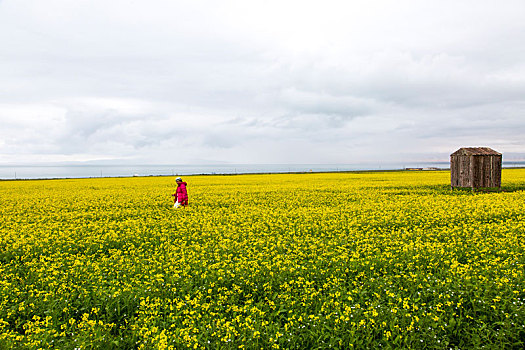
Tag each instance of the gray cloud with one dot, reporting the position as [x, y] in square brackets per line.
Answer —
[259, 81]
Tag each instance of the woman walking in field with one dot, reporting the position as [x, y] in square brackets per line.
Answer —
[181, 195]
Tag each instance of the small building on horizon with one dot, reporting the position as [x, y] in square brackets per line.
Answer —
[475, 167]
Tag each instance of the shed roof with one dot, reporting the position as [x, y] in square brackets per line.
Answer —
[475, 151]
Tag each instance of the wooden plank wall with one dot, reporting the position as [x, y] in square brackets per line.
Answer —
[475, 171]
[453, 171]
[465, 172]
[478, 170]
[496, 170]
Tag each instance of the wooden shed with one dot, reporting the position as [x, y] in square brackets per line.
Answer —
[475, 167]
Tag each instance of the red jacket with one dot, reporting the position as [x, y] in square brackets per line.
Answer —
[181, 195]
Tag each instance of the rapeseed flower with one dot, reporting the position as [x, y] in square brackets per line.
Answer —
[392, 259]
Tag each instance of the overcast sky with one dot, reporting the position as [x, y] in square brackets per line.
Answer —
[192, 82]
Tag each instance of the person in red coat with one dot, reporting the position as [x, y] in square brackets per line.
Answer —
[181, 195]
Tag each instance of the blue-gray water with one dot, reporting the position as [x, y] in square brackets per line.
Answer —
[85, 171]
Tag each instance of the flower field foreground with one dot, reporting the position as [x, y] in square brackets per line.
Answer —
[342, 260]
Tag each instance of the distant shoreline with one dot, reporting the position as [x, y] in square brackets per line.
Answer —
[222, 174]
[237, 174]
[231, 171]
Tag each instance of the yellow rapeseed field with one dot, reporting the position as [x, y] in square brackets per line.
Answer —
[284, 261]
